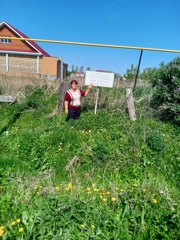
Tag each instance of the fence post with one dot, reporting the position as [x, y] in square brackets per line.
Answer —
[130, 104]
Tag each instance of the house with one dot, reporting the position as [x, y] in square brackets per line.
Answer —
[80, 74]
[22, 57]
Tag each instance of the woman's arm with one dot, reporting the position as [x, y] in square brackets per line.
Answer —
[66, 106]
[88, 89]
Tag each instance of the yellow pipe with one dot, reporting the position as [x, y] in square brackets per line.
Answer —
[94, 44]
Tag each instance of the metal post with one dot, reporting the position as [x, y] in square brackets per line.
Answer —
[137, 73]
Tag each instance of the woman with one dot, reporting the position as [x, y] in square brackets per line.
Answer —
[72, 101]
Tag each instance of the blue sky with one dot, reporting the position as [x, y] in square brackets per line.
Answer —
[154, 23]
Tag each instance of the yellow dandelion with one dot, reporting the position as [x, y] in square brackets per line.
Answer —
[113, 199]
[88, 189]
[154, 201]
[96, 190]
[18, 220]
[1, 231]
[93, 184]
[104, 199]
[35, 187]
[108, 193]
[13, 223]
[144, 190]
[38, 193]
[21, 230]
[101, 196]
[57, 189]
[82, 226]
[92, 226]
[135, 185]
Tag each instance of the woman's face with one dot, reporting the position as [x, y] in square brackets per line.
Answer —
[74, 86]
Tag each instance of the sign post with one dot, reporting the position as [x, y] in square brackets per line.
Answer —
[99, 79]
[96, 103]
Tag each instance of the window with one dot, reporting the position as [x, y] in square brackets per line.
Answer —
[5, 40]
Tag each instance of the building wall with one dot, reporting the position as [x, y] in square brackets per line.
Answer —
[22, 64]
[18, 63]
[15, 45]
[2, 63]
[48, 65]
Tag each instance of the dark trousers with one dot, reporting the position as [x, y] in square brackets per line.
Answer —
[73, 114]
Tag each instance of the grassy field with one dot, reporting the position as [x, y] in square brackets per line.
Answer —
[101, 177]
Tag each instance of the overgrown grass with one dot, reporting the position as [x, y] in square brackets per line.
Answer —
[102, 177]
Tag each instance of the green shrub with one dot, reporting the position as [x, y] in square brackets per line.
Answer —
[166, 97]
[155, 142]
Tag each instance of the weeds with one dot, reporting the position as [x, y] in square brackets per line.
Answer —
[101, 177]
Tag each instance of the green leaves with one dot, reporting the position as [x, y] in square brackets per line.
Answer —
[166, 97]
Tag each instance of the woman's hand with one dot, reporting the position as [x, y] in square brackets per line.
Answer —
[90, 86]
[66, 111]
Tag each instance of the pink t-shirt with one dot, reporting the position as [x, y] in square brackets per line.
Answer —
[73, 98]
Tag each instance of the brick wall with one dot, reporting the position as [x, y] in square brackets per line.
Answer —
[48, 65]
[2, 63]
[22, 64]
[18, 63]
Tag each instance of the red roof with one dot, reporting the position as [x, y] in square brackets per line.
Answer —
[22, 35]
[103, 71]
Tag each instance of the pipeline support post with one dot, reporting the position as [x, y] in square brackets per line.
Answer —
[137, 73]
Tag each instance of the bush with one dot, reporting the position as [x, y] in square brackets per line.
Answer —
[166, 97]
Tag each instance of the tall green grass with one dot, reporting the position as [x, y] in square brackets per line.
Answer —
[101, 177]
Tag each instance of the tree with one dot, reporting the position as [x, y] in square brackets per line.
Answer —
[77, 69]
[131, 73]
[166, 96]
[72, 68]
[148, 73]
[81, 69]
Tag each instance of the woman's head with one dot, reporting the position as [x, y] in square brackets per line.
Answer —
[74, 84]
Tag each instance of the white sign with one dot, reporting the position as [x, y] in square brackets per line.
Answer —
[99, 79]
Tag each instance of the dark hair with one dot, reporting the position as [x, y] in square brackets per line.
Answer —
[74, 81]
